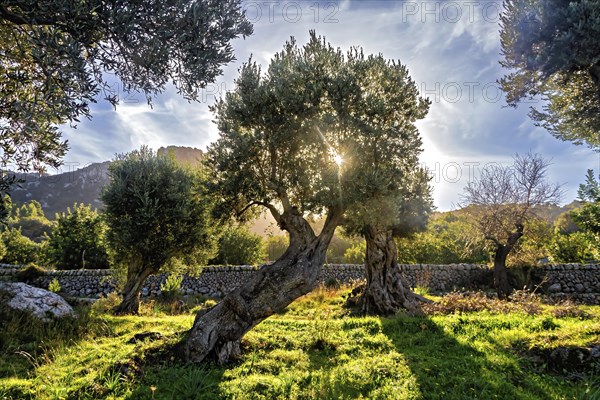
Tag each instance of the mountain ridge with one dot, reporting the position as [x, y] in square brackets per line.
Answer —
[58, 192]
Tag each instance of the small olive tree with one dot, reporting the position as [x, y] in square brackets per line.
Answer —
[502, 200]
[155, 209]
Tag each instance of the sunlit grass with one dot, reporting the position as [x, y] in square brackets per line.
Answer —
[315, 349]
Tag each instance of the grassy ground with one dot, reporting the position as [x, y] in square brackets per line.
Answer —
[313, 350]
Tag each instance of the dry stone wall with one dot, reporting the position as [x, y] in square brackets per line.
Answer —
[578, 282]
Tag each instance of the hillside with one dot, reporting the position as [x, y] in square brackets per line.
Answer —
[58, 192]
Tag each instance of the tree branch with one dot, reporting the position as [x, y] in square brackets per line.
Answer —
[493, 239]
[269, 206]
[17, 19]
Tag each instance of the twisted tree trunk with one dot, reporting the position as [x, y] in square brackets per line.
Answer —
[136, 276]
[216, 333]
[503, 288]
[387, 291]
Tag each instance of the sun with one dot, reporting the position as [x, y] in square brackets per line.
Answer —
[338, 160]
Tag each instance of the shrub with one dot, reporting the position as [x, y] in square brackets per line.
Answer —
[78, 240]
[30, 273]
[171, 287]
[19, 249]
[477, 301]
[332, 283]
[239, 246]
[54, 286]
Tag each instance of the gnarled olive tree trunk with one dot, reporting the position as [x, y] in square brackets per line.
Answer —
[387, 291]
[136, 276]
[216, 334]
[503, 288]
[501, 284]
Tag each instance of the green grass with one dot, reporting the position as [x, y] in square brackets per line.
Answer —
[315, 349]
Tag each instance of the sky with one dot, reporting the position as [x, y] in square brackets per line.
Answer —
[452, 51]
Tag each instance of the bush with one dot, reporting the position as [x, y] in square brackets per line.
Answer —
[78, 240]
[239, 246]
[54, 286]
[30, 273]
[356, 253]
[19, 249]
[171, 287]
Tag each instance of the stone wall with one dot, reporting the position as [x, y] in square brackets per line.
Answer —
[578, 282]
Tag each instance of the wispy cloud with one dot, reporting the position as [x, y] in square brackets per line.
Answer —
[451, 49]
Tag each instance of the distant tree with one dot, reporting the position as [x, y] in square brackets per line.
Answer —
[32, 221]
[502, 200]
[553, 50]
[275, 246]
[56, 57]
[588, 216]
[590, 190]
[356, 253]
[78, 240]
[565, 224]
[338, 247]
[20, 250]
[576, 247]
[449, 238]
[238, 246]
[155, 210]
[300, 140]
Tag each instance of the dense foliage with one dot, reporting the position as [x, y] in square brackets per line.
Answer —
[238, 246]
[155, 210]
[30, 219]
[58, 56]
[78, 240]
[553, 50]
[19, 249]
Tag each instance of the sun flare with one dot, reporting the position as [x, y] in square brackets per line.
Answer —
[338, 160]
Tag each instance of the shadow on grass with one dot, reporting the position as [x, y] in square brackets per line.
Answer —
[446, 369]
[178, 381]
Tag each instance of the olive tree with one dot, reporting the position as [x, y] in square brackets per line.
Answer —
[57, 58]
[293, 141]
[379, 221]
[155, 210]
[502, 200]
[552, 50]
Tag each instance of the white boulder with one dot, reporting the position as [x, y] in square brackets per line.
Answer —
[42, 304]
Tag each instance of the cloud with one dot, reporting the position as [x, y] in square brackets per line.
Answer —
[451, 48]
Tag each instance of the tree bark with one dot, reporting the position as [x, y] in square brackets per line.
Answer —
[501, 284]
[216, 333]
[387, 291]
[136, 276]
[503, 288]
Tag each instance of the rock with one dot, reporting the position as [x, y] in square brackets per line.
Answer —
[570, 359]
[203, 290]
[555, 288]
[41, 303]
[580, 288]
